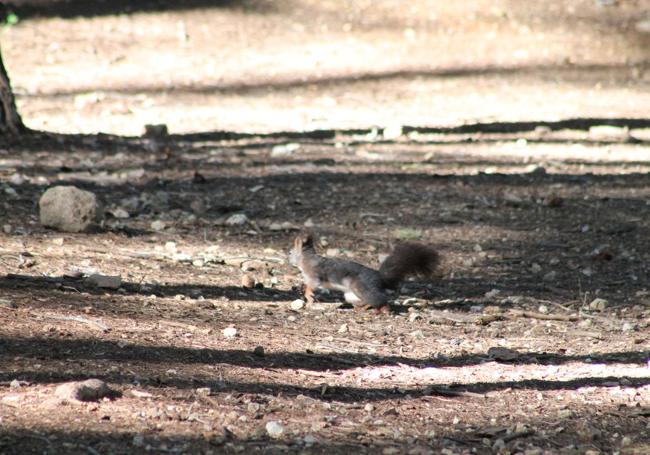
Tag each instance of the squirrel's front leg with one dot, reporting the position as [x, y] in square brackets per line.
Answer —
[309, 294]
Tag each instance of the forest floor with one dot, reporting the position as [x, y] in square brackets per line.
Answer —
[511, 138]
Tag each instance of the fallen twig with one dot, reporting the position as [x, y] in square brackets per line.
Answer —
[96, 324]
[543, 316]
[584, 333]
[516, 435]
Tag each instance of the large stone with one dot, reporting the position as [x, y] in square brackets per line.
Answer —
[88, 390]
[104, 281]
[68, 209]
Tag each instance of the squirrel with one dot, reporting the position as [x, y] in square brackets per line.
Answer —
[362, 286]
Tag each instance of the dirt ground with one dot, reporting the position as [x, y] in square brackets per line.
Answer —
[511, 136]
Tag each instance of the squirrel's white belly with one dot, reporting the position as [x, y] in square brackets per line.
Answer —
[351, 297]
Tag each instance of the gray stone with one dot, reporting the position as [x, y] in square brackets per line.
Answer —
[4, 303]
[88, 390]
[598, 304]
[502, 353]
[104, 281]
[237, 219]
[68, 209]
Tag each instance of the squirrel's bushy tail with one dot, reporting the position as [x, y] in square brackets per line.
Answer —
[409, 259]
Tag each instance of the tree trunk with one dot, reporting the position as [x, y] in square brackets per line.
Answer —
[10, 122]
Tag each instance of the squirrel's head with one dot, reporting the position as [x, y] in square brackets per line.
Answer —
[303, 241]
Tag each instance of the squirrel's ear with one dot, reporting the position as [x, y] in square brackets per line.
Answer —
[301, 240]
[305, 239]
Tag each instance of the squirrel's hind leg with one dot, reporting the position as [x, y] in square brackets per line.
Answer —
[369, 296]
[309, 294]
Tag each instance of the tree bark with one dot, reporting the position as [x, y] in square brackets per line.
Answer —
[10, 122]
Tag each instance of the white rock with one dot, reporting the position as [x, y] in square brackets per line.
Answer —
[297, 305]
[120, 213]
[283, 150]
[68, 209]
[274, 429]
[492, 294]
[104, 281]
[643, 26]
[628, 327]
[158, 225]
[230, 332]
[535, 169]
[608, 132]
[16, 179]
[598, 304]
[237, 219]
[343, 328]
[285, 226]
[393, 132]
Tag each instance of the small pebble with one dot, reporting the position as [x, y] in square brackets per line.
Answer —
[297, 305]
[230, 332]
[237, 219]
[274, 429]
[598, 304]
[158, 225]
[628, 327]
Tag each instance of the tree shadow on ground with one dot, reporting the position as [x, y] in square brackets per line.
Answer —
[97, 350]
[84, 8]
[15, 440]
[54, 142]
[72, 285]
